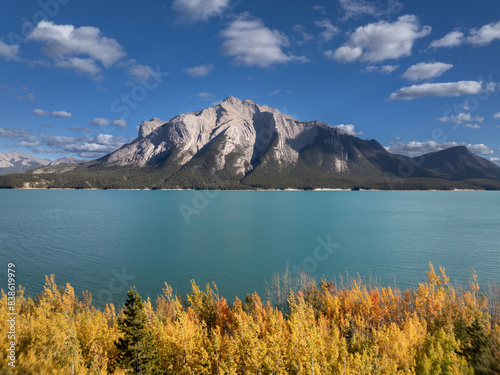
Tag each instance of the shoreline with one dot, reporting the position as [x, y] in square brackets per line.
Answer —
[282, 190]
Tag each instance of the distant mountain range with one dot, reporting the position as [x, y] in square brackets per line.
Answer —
[19, 162]
[241, 145]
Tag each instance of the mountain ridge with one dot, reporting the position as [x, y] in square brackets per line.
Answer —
[242, 145]
[20, 162]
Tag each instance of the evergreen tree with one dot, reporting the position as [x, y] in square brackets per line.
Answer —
[137, 353]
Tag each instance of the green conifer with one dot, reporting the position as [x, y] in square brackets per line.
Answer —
[137, 353]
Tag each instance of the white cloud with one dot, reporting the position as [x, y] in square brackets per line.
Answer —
[381, 41]
[40, 113]
[349, 129]
[199, 10]
[86, 147]
[205, 96]
[461, 118]
[495, 160]
[477, 37]
[329, 30]
[119, 123]
[356, 8]
[452, 39]
[79, 65]
[9, 132]
[200, 70]
[484, 35]
[470, 126]
[344, 54]
[413, 149]
[253, 44]
[8, 52]
[138, 72]
[497, 115]
[64, 41]
[21, 137]
[384, 69]
[448, 89]
[61, 114]
[423, 71]
[99, 121]
[55, 114]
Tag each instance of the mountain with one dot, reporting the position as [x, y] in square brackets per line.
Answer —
[19, 162]
[242, 145]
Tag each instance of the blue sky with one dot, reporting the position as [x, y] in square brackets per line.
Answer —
[78, 77]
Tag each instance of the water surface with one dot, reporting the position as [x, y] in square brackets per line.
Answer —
[103, 241]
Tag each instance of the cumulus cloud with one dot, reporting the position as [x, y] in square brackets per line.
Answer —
[138, 72]
[55, 114]
[8, 52]
[329, 30]
[421, 71]
[381, 41]
[21, 137]
[65, 41]
[79, 65]
[477, 37]
[200, 70]
[199, 10]
[119, 123]
[384, 69]
[99, 121]
[349, 128]
[485, 35]
[9, 132]
[461, 118]
[40, 113]
[413, 149]
[497, 115]
[61, 114]
[87, 147]
[251, 43]
[452, 39]
[448, 89]
[495, 160]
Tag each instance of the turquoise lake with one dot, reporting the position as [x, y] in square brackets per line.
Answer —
[104, 241]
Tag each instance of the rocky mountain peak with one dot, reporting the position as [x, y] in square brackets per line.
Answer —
[232, 100]
[147, 127]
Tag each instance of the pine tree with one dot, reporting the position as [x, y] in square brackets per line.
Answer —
[137, 353]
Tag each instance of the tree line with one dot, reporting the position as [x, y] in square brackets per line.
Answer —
[305, 328]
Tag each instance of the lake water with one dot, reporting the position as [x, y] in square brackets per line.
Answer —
[103, 241]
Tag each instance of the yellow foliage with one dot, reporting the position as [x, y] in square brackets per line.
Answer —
[326, 329]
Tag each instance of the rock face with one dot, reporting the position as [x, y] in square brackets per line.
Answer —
[19, 162]
[67, 161]
[260, 146]
[242, 145]
[247, 129]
